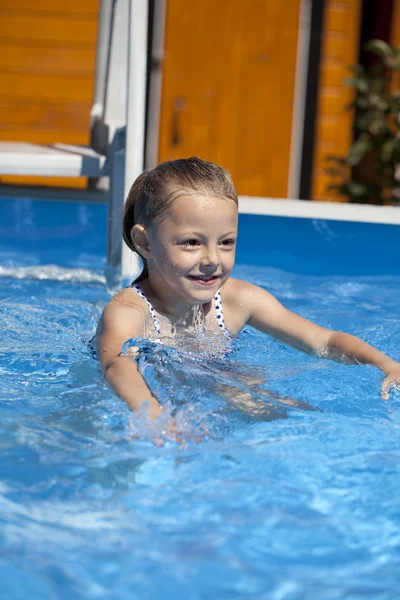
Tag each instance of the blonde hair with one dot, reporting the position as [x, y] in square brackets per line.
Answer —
[153, 191]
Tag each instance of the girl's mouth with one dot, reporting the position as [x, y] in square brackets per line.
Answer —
[204, 281]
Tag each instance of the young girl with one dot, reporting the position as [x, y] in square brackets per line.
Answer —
[182, 219]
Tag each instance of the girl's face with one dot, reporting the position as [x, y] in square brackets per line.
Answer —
[192, 250]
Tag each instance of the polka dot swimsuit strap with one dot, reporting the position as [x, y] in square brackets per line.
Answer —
[219, 314]
[151, 308]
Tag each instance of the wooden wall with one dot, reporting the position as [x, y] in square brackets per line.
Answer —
[340, 47]
[395, 33]
[228, 88]
[47, 61]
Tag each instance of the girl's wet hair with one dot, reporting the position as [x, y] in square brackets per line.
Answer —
[153, 191]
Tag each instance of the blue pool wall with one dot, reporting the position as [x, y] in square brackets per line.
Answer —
[41, 232]
[74, 235]
[318, 246]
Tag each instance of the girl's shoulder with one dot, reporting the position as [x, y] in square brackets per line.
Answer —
[241, 300]
[126, 306]
[126, 298]
[122, 319]
[235, 291]
[235, 294]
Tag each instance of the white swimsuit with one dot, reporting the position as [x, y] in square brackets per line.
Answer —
[217, 304]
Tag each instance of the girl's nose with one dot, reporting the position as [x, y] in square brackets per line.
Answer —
[210, 257]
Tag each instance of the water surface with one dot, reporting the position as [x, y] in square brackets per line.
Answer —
[282, 503]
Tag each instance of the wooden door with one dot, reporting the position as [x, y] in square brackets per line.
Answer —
[228, 88]
[47, 61]
[333, 131]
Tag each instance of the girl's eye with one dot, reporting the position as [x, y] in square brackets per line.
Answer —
[229, 243]
[191, 243]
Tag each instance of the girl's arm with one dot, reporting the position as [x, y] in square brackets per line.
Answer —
[118, 324]
[267, 314]
[345, 347]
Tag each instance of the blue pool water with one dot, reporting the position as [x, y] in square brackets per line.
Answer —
[276, 501]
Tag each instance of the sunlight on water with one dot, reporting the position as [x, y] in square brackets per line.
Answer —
[52, 272]
[284, 483]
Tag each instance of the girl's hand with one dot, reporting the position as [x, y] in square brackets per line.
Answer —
[163, 427]
[180, 433]
[392, 380]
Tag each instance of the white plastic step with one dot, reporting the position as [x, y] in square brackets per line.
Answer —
[60, 160]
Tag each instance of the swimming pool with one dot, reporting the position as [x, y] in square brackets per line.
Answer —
[287, 503]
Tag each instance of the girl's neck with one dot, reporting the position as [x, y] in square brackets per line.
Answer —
[166, 301]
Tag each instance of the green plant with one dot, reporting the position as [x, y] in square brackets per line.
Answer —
[368, 173]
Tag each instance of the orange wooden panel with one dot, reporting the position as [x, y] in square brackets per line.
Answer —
[47, 117]
[228, 87]
[333, 122]
[331, 76]
[68, 182]
[266, 87]
[333, 46]
[337, 15]
[395, 39]
[51, 136]
[47, 59]
[41, 88]
[190, 89]
[325, 149]
[58, 61]
[45, 29]
[68, 7]
[330, 103]
[395, 33]
[322, 182]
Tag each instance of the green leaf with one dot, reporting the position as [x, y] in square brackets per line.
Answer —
[339, 160]
[362, 85]
[357, 189]
[379, 102]
[395, 62]
[358, 70]
[387, 150]
[358, 150]
[375, 150]
[350, 81]
[380, 48]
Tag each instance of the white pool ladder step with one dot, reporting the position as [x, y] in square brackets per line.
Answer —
[58, 160]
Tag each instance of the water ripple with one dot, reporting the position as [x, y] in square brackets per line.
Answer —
[286, 484]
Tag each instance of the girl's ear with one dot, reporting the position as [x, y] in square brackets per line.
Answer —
[140, 240]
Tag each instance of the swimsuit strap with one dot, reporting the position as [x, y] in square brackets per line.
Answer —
[218, 311]
[151, 307]
[219, 314]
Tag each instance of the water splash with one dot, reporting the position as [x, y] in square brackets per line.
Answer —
[53, 273]
[284, 508]
[199, 320]
[206, 389]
